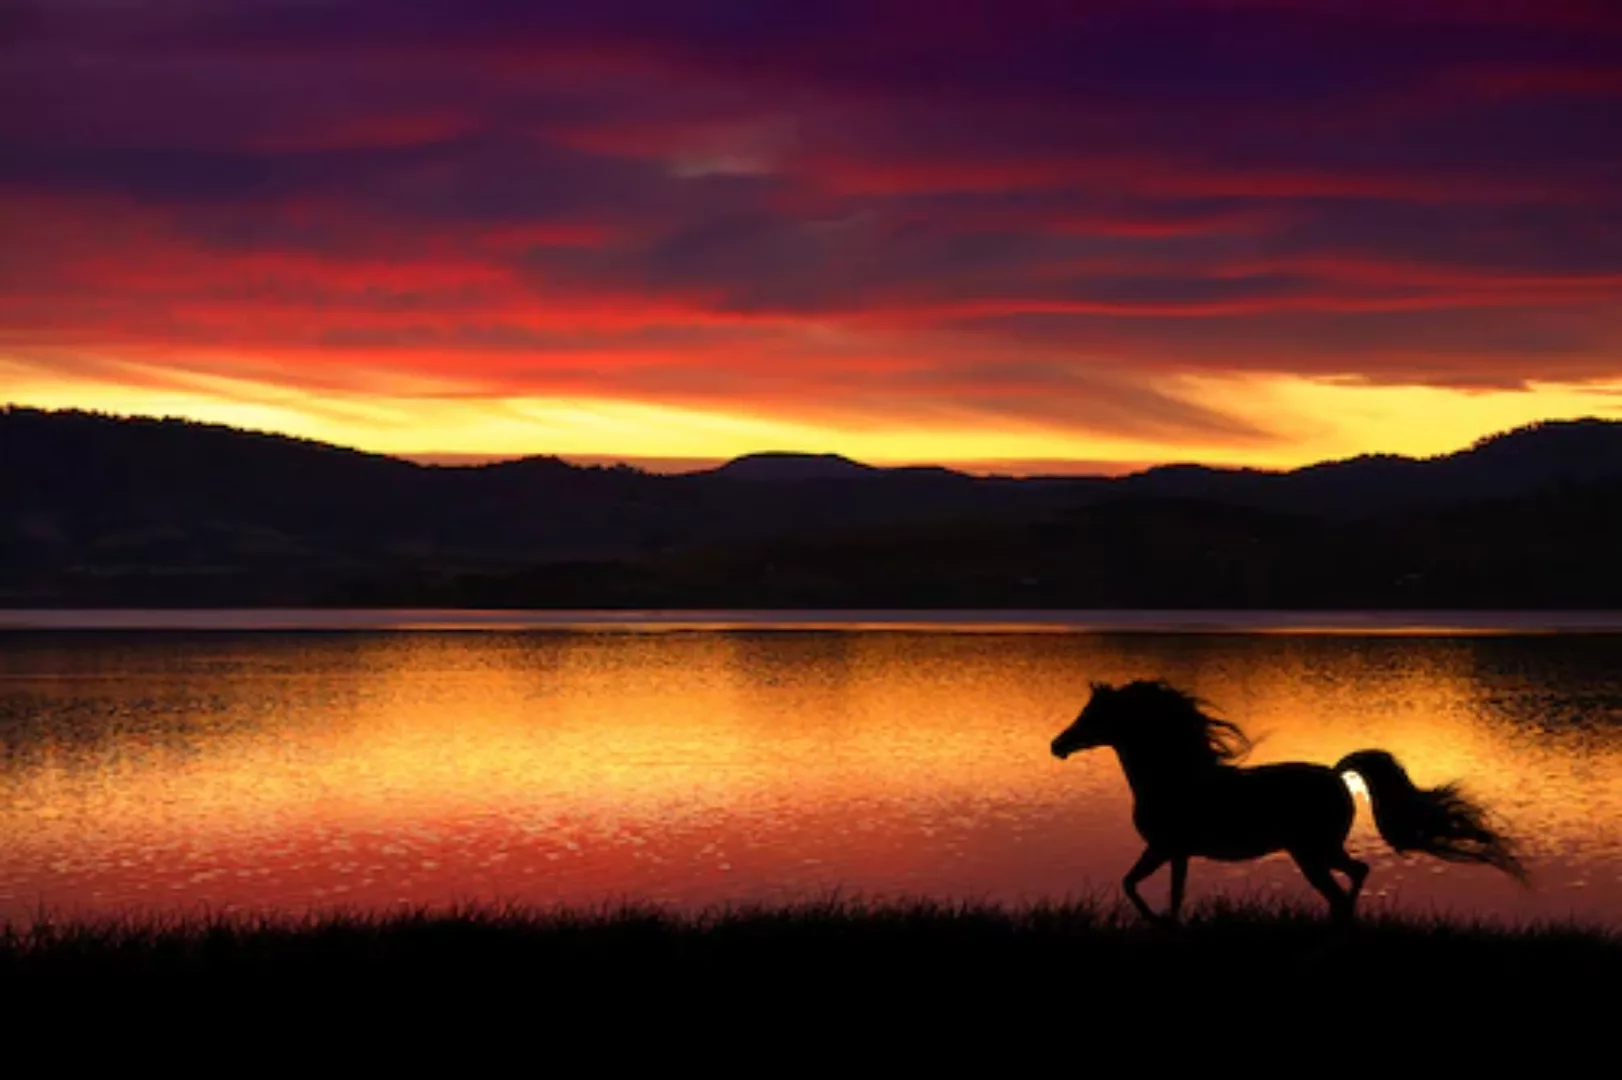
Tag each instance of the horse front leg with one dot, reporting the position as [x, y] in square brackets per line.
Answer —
[1147, 863]
[1179, 879]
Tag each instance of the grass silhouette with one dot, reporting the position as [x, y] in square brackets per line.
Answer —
[910, 985]
[917, 943]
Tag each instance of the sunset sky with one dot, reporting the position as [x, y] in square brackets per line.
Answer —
[1021, 235]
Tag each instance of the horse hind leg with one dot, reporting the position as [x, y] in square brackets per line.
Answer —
[1355, 869]
[1317, 873]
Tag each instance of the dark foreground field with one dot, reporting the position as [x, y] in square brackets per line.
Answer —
[829, 969]
[921, 989]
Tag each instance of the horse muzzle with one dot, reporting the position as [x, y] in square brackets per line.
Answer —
[1069, 743]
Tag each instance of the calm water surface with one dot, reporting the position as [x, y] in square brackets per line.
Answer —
[285, 769]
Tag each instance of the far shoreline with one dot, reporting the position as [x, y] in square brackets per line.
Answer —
[1349, 622]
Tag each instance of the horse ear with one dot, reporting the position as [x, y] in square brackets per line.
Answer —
[1099, 687]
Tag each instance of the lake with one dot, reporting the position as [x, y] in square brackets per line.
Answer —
[176, 761]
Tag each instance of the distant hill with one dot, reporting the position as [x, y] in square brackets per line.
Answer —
[101, 510]
[1519, 462]
[107, 510]
[779, 467]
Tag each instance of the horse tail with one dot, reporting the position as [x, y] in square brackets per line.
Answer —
[1439, 821]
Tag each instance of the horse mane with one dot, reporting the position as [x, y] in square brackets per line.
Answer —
[1181, 724]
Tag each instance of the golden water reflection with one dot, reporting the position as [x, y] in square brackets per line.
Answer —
[364, 770]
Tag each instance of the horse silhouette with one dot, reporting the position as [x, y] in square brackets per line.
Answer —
[1191, 799]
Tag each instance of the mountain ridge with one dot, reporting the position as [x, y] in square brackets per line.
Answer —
[1565, 433]
[98, 509]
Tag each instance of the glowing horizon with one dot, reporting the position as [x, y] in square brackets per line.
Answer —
[1405, 421]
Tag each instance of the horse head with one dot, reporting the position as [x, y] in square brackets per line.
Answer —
[1094, 726]
[1150, 716]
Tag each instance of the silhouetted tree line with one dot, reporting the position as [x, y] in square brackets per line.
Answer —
[1557, 551]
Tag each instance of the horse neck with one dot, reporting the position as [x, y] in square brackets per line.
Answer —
[1151, 769]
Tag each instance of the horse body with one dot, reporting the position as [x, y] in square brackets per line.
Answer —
[1190, 799]
[1234, 814]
